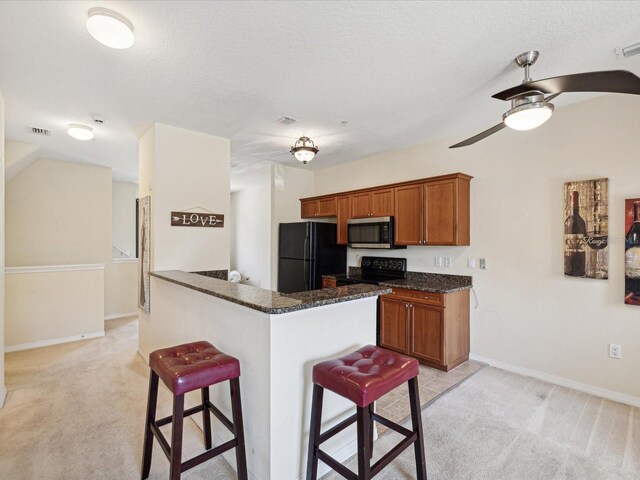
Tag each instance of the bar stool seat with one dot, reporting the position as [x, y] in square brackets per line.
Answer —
[366, 374]
[363, 377]
[185, 368]
[192, 366]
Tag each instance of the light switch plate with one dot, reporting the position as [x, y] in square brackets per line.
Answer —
[471, 262]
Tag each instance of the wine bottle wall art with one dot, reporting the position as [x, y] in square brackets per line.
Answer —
[586, 229]
[632, 252]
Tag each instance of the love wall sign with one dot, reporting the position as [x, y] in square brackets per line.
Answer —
[192, 219]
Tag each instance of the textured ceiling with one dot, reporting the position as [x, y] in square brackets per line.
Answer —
[399, 73]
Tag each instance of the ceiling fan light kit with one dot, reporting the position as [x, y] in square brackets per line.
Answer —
[529, 106]
[527, 114]
[304, 150]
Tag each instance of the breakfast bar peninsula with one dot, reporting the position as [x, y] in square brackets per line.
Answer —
[277, 338]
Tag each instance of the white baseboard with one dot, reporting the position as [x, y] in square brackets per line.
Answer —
[3, 395]
[53, 341]
[120, 315]
[563, 382]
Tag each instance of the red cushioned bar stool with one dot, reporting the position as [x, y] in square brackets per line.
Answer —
[363, 377]
[185, 368]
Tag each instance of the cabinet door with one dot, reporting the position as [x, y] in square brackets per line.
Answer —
[440, 208]
[328, 283]
[382, 202]
[344, 214]
[394, 325]
[327, 207]
[361, 205]
[409, 215]
[309, 208]
[427, 333]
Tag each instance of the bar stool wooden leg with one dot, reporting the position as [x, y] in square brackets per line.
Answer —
[314, 432]
[364, 450]
[152, 402]
[370, 415]
[206, 418]
[238, 426]
[176, 437]
[416, 420]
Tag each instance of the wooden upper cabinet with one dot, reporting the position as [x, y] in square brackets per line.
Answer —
[446, 206]
[344, 214]
[327, 207]
[361, 205]
[429, 211]
[409, 215]
[323, 207]
[375, 203]
[309, 208]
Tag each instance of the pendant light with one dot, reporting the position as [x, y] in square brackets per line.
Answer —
[304, 150]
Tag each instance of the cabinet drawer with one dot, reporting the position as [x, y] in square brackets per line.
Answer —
[436, 299]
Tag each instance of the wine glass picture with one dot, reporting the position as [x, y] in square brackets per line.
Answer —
[632, 252]
[144, 249]
[586, 229]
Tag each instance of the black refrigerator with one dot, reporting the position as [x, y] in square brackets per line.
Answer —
[306, 251]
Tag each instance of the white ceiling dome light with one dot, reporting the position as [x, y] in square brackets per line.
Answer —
[110, 28]
[80, 132]
[304, 150]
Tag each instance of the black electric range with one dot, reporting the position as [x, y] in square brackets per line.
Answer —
[376, 270]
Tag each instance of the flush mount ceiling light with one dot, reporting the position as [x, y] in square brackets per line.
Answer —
[80, 132]
[304, 150]
[110, 28]
[528, 113]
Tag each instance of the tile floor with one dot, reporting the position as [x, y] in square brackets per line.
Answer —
[432, 383]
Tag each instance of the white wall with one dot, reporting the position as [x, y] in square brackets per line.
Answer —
[3, 390]
[121, 288]
[250, 223]
[59, 213]
[50, 306]
[123, 218]
[529, 315]
[184, 170]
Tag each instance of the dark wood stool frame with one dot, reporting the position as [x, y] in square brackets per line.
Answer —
[174, 451]
[364, 418]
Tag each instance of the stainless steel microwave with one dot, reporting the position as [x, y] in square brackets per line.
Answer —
[370, 232]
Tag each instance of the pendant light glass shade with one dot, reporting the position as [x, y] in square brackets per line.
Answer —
[304, 150]
[110, 28]
[528, 116]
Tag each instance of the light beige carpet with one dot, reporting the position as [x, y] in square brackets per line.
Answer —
[76, 411]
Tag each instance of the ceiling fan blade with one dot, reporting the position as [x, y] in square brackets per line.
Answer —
[551, 97]
[609, 81]
[480, 136]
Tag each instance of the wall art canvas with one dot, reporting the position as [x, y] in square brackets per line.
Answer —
[632, 252]
[586, 229]
[144, 252]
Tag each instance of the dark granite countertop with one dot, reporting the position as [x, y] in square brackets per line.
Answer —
[421, 281]
[268, 301]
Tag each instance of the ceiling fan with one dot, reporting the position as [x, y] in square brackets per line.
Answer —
[529, 106]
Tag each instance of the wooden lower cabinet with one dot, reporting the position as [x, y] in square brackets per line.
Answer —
[328, 282]
[432, 327]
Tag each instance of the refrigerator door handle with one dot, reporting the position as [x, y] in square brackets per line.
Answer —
[306, 276]
[306, 248]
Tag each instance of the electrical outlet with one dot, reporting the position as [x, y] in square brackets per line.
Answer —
[448, 262]
[483, 264]
[615, 351]
[471, 262]
[438, 261]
